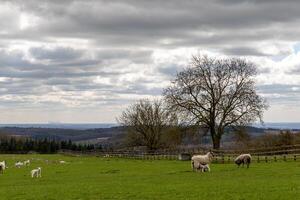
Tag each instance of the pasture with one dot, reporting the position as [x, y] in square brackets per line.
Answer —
[112, 178]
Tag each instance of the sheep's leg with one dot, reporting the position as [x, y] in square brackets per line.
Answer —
[193, 167]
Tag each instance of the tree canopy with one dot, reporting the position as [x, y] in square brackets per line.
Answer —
[216, 93]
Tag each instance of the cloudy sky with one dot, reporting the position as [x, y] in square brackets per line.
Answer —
[85, 61]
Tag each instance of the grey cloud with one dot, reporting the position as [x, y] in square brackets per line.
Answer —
[146, 22]
[243, 51]
[59, 53]
[278, 89]
[294, 70]
[171, 70]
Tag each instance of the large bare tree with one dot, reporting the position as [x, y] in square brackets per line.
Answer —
[146, 120]
[216, 93]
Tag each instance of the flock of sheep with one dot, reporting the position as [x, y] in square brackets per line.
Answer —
[201, 162]
[35, 173]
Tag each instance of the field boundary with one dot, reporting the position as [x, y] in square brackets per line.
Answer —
[277, 154]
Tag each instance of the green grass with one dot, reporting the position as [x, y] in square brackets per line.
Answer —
[112, 178]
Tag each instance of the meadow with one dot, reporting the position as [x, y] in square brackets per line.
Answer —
[88, 177]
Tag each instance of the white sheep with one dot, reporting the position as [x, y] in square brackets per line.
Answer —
[198, 160]
[243, 159]
[19, 164]
[36, 172]
[26, 162]
[2, 166]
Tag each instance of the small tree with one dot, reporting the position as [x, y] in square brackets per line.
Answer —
[216, 93]
[146, 120]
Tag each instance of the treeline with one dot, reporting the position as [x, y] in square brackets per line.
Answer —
[267, 139]
[21, 145]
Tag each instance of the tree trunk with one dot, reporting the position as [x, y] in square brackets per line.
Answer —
[216, 138]
[216, 142]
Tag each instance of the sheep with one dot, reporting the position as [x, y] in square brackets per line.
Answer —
[243, 159]
[198, 160]
[26, 162]
[2, 166]
[62, 162]
[36, 172]
[19, 164]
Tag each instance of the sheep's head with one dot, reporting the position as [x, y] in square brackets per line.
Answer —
[210, 154]
[238, 162]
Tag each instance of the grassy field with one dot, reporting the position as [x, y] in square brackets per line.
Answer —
[112, 178]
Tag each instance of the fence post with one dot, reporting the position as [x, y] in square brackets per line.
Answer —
[266, 159]
[258, 158]
[228, 159]
[295, 157]
[284, 157]
[275, 159]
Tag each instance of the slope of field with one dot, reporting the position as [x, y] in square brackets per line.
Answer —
[111, 178]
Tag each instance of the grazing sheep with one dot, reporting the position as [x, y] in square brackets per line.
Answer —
[62, 162]
[26, 162]
[36, 172]
[19, 164]
[243, 159]
[198, 160]
[2, 166]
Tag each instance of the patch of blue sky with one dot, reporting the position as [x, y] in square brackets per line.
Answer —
[296, 47]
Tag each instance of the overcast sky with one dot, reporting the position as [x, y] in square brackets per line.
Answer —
[85, 61]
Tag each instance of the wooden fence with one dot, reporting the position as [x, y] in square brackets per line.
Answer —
[277, 154]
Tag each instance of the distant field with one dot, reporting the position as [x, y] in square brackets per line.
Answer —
[112, 178]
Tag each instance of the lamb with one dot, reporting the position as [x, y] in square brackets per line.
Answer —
[202, 168]
[243, 159]
[2, 166]
[26, 162]
[203, 160]
[36, 172]
[19, 164]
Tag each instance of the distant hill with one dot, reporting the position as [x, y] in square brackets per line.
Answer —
[96, 135]
[64, 134]
[83, 126]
